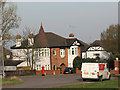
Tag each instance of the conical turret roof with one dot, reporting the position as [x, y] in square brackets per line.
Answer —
[40, 38]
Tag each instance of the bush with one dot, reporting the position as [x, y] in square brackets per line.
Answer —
[77, 63]
[60, 69]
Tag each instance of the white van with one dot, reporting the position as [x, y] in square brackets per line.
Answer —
[95, 71]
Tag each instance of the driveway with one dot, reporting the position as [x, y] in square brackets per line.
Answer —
[49, 81]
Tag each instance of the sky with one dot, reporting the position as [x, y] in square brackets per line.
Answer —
[86, 20]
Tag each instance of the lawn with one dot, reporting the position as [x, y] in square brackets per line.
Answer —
[11, 81]
[104, 84]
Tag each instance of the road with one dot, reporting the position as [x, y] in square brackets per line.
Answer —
[49, 81]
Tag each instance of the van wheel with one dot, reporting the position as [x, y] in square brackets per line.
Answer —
[109, 77]
[84, 79]
[100, 78]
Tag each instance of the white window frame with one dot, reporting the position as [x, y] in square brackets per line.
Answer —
[62, 53]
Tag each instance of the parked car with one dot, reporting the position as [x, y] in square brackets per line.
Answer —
[95, 71]
[68, 70]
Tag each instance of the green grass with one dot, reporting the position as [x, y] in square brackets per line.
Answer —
[11, 81]
[97, 84]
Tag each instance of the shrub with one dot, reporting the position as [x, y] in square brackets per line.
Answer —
[60, 69]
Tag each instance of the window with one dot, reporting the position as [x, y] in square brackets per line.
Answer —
[73, 51]
[36, 52]
[48, 67]
[76, 51]
[42, 52]
[54, 67]
[45, 67]
[54, 51]
[40, 67]
[45, 52]
[69, 51]
[62, 52]
[37, 67]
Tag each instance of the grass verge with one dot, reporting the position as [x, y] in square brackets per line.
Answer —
[104, 84]
[11, 81]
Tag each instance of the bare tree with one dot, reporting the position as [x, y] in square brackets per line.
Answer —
[30, 49]
[9, 20]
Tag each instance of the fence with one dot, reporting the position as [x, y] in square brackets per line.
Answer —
[20, 72]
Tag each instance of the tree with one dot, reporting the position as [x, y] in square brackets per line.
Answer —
[110, 40]
[9, 20]
[30, 49]
[77, 62]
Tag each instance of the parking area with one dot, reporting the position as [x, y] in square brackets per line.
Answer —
[49, 81]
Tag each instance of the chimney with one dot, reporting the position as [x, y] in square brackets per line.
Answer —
[18, 41]
[31, 39]
[71, 36]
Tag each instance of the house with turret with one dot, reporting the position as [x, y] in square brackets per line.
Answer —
[50, 50]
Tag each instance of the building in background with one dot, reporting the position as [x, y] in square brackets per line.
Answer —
[95, 50]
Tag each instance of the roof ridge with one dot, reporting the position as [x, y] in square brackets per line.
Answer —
[56, 35]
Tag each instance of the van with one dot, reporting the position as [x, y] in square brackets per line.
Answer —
[95, 71]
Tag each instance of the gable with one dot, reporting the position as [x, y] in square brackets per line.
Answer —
[95, 48]
[76, 43]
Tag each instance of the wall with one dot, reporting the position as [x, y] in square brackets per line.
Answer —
[10, 68]
[57, 60]
[20, 73]
[48, 72]
[18, 54]
[71, 57]
[117, 67]
[78, 71]
[83, 55]
[43, 60]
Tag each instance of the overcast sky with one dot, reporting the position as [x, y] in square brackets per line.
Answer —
[86, 20]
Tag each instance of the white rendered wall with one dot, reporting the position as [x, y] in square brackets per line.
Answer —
[103, 54]
[71, 57]
[10, 68]
[19, 54]
[43, 61]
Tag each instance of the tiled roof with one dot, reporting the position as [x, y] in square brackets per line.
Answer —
[40, 39]
[49, 39]
[12, 62]
[96, 43]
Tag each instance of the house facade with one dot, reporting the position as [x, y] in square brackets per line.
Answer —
[96, 50]
[50, 49]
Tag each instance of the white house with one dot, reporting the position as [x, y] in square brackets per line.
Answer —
[96, 50]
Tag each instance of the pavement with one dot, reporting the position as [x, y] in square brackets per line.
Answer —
[50, 81]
